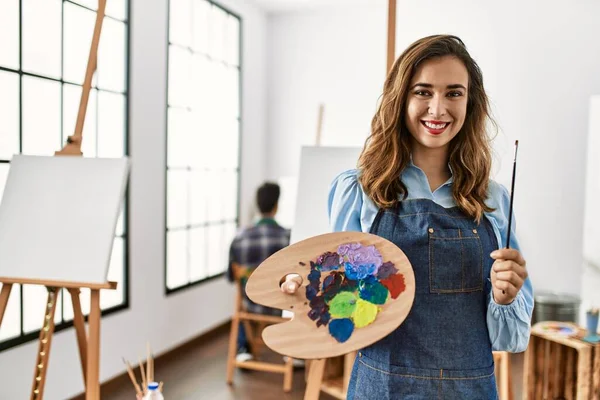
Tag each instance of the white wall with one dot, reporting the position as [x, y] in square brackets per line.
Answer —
[334, 56]
[165, 322]
[540, 66]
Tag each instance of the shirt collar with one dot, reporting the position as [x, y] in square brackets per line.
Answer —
[449, 181]
[266, 221]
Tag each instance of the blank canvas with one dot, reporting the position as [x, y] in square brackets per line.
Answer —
[58, 217]
[318, 168]
[591, 236]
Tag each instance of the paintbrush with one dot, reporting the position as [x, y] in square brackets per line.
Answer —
[512, 197]
[138, 391]
[150, 365]
[144, 380]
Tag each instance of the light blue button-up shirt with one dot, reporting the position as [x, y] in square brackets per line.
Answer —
[350, 209]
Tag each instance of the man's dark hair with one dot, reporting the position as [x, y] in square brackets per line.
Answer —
[267, 197]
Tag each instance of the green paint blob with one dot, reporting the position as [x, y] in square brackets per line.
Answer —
[342, 305]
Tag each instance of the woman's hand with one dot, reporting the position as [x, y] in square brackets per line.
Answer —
[508, 274]
[291, 284]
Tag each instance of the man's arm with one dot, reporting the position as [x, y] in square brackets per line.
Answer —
[230, 271]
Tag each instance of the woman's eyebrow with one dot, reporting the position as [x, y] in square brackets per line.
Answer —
[429, 85]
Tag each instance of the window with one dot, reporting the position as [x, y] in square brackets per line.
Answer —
[43, 57]
[203, 137]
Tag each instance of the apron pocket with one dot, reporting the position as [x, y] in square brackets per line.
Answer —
[455, 261]
[376, 381]
[373, 383]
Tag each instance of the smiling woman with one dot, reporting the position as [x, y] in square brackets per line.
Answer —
[440, 84]
[437, 103]
[424, 184]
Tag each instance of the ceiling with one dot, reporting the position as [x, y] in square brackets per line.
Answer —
[278, 6]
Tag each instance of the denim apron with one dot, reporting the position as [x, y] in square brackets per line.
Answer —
[442, 350]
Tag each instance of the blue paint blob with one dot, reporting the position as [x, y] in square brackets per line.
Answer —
[341, 329]
[311, 292]
[360, 271]
[324, 319]
[374, 292]
[314, 276]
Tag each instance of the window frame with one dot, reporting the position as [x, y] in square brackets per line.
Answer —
[169, 291]
[24, 338]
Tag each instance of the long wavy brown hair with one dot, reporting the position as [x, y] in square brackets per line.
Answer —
[388, 148]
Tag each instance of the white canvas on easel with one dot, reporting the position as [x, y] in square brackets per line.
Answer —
[58, 217]
[591, 236]
[318, 168]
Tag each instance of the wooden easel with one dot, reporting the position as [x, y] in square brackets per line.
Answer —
[242, 315]
[317, 370]
[88, 343]
[338, 387]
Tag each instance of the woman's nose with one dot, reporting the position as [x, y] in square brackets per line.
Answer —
[437, 107]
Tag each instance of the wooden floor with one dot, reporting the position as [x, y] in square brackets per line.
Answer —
[200, 374]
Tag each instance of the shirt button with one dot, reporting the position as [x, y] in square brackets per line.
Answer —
[360, 354]
[474, 230]
[430, 230]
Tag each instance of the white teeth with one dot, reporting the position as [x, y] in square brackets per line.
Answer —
[435, 126]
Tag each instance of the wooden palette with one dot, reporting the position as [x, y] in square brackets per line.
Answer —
[300, 337]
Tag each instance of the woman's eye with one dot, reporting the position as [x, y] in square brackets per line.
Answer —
[421, 93]
[454, 94]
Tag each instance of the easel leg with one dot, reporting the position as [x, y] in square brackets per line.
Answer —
[288, 375]
[4, 295]
[235, 327]
[505, 373]
[348, 364]
[315, 379]
[93, 350]
[79, 323]
[45, 341]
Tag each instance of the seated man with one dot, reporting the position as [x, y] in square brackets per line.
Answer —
[251, 247]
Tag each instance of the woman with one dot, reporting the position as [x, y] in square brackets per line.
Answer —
[423, 182]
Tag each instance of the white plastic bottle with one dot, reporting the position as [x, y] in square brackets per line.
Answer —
[153, 392]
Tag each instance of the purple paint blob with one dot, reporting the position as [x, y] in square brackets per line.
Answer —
[386, 270]
[329, 261]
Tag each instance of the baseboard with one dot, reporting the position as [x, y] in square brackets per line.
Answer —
[121, 380]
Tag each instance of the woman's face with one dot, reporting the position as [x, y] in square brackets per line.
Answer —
[437, 102]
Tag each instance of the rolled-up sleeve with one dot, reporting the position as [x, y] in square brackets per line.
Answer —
[345, 202]
[509, 325]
